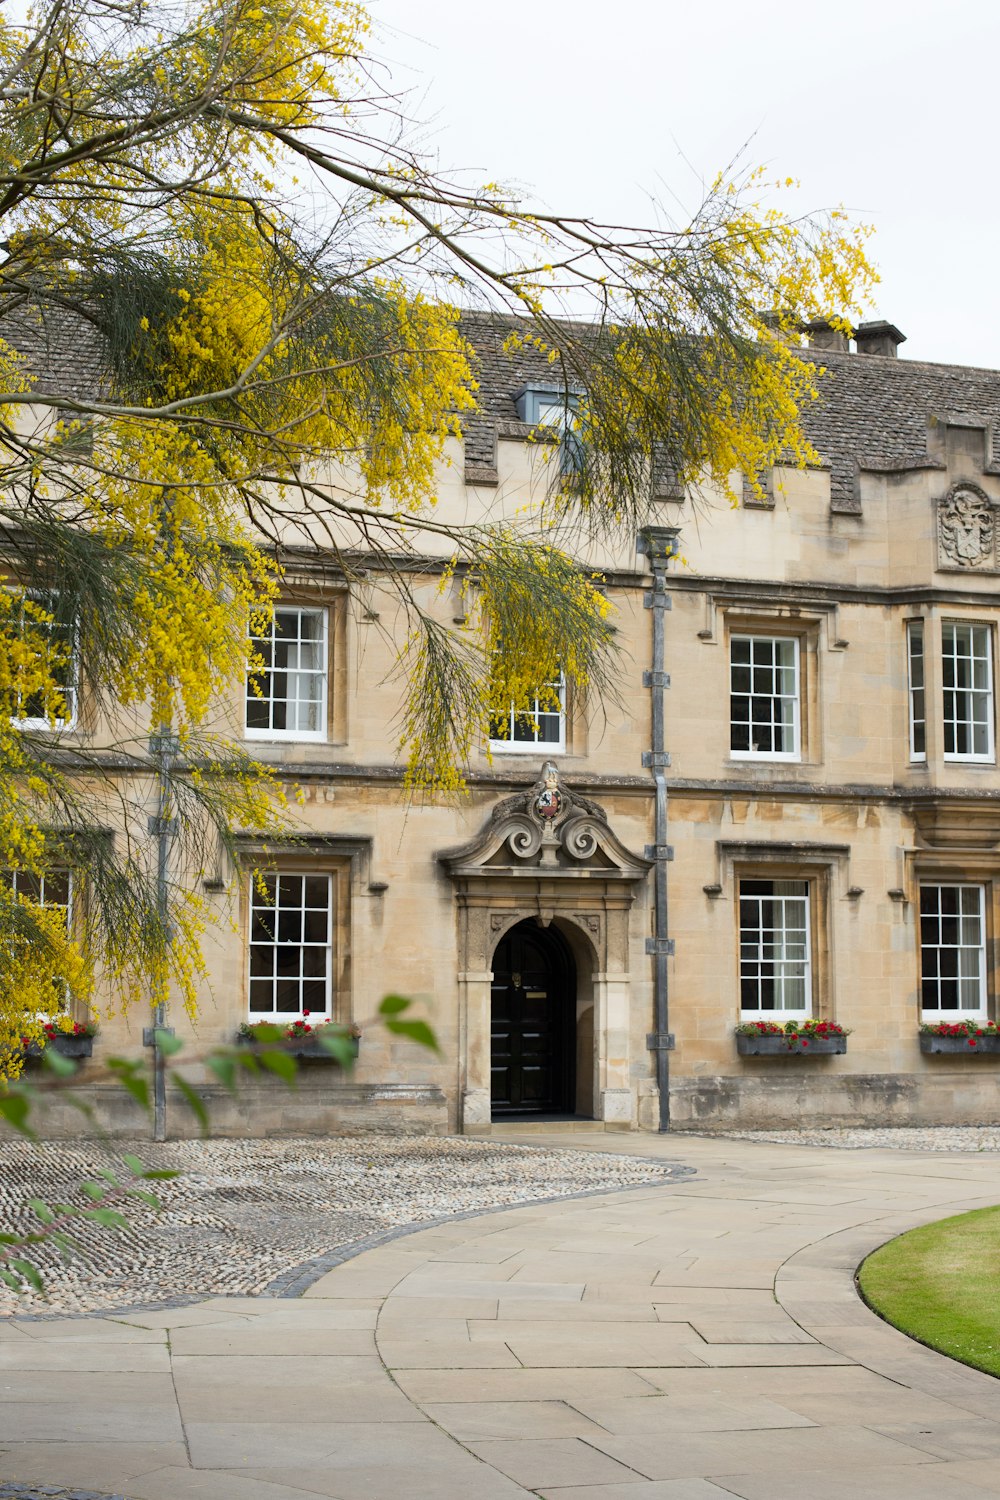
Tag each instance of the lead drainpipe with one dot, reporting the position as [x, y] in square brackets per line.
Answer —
[659, 544]
[164, 747]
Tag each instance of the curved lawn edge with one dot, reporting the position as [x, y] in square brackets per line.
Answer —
[938, 1285]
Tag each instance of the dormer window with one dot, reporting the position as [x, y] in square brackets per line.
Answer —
[554, 407]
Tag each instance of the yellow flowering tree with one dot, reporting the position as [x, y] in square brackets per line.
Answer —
[222, 200]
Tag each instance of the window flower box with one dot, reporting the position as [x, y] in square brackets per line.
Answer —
[960, 1038]
[301, 1038]
[793, 1039]
[68, 1038]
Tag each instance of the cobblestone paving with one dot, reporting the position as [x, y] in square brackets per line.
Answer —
[48, 1492]
[897, 1137]
[245, 1214]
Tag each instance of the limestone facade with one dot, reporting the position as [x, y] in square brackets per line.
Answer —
[831, 729]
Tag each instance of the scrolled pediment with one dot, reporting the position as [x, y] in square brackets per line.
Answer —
[548, 830]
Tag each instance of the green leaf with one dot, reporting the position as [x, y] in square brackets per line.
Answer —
[12, 1281]
[64, 1067]
[149, 1198]
[168, 1045]
[41, 1210]
[160, 1174]
[280, 1064]
[340, 1046]
[31, 1274]
[195, 1103]
[268, 1031]
[94, 1190]
[224, 1067]
[15, 1107]
[394, 1005]
[130, 1077]
[416, 1031]
[134, 1165]
[109, 1217]
[108, 1175]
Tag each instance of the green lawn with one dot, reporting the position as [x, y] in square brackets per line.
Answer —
[941, 1285]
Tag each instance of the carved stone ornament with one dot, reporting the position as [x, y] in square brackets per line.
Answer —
[550, 829]
[967, 530]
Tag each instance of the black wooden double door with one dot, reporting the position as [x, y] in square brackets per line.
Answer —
[533, 1023]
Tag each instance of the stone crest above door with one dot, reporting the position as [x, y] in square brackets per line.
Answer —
[548, 830]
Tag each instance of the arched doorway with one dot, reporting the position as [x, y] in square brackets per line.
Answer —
[533, 1023]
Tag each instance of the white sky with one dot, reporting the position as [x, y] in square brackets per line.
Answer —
[886, 106]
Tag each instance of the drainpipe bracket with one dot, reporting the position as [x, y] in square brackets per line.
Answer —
[660, 947]
[656, 679]
[164, 744]
[149, 1034]
[157, 826]
[659, 851]
[654, 600]
[654, 760]
[660, 1041]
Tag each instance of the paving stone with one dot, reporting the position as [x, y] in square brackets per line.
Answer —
[612, 1334]
[537, 1462]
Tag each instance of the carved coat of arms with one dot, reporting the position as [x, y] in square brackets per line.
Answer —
[966, 530]
[548, 803]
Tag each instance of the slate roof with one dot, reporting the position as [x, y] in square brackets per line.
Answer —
[874, 413]
[62, 349]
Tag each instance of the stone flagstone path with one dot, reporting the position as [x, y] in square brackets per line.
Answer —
[681, 1342]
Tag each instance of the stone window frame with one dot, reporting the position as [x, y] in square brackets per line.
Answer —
[340, 858]
[780, 625]
[958, 866]
[825, 869]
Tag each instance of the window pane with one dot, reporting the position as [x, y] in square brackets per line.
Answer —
[53, 644]
[289, 696]
[763, 685]
[540, 722]
[952, 949]
[775, 968]
[967, 696]
[290, 938]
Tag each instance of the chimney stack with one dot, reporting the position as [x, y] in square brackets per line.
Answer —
[822, 336]
[879, 337]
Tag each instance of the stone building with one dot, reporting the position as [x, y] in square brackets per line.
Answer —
[792, 810]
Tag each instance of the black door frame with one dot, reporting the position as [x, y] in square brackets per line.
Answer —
[562, 993]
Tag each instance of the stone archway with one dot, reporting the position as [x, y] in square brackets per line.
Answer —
[549, 855]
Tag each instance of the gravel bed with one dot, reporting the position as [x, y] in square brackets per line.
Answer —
[246, 1214]
[893, 1137]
